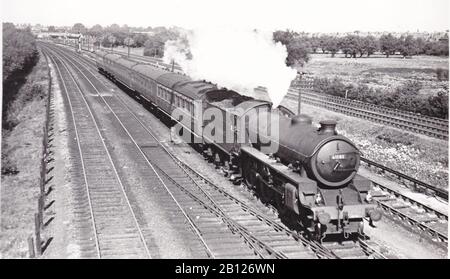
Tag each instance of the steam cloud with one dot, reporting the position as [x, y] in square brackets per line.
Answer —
[237, 59]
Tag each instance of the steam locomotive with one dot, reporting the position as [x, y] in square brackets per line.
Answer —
[309, 173]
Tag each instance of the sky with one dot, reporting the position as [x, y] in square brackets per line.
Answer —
[299, 15]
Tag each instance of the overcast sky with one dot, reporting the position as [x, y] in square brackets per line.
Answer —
[310, 15]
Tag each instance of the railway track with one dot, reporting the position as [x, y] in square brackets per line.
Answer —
[432, 127]
[414, 184]
[411, 213]
[101, 190]
[264, 236]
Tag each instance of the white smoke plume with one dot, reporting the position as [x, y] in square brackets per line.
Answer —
[237, 59]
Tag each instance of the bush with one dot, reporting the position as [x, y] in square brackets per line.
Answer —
[442, 74]
[19, 57]
[19, 51]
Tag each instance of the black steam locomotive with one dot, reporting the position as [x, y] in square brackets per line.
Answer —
[307, 172]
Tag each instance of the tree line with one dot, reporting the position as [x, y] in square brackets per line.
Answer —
[354, 45]
[299, 45]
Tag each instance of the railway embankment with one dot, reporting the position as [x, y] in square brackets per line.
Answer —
[21, 153]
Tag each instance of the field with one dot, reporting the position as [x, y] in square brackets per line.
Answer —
[379, 71]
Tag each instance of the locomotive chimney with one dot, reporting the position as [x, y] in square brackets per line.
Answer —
[328, 127]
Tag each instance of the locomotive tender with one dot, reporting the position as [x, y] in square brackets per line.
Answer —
[310, 176]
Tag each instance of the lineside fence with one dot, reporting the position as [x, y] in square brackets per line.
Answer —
[37, 243]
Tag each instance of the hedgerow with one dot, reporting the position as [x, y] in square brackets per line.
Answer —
[404, 97]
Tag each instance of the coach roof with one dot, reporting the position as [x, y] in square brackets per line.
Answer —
[149, 71]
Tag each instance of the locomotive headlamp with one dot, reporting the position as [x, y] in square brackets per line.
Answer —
[374, 215]
[324, 218]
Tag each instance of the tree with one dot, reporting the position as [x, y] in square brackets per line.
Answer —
[350, 44]
[284, 37]
[111, 40]
[297, 53]
[154, 46]
[314, 43]
[370, 45]
[19, 50]
[79, 28]
[297, 47]
[407, 46]
[140, 39]
[332, 45]
[125, 28]
[19, 57]
[113, 28]
[96, 30]
[323, 42]
[420, 44]
[51, 28]
[388, 44]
